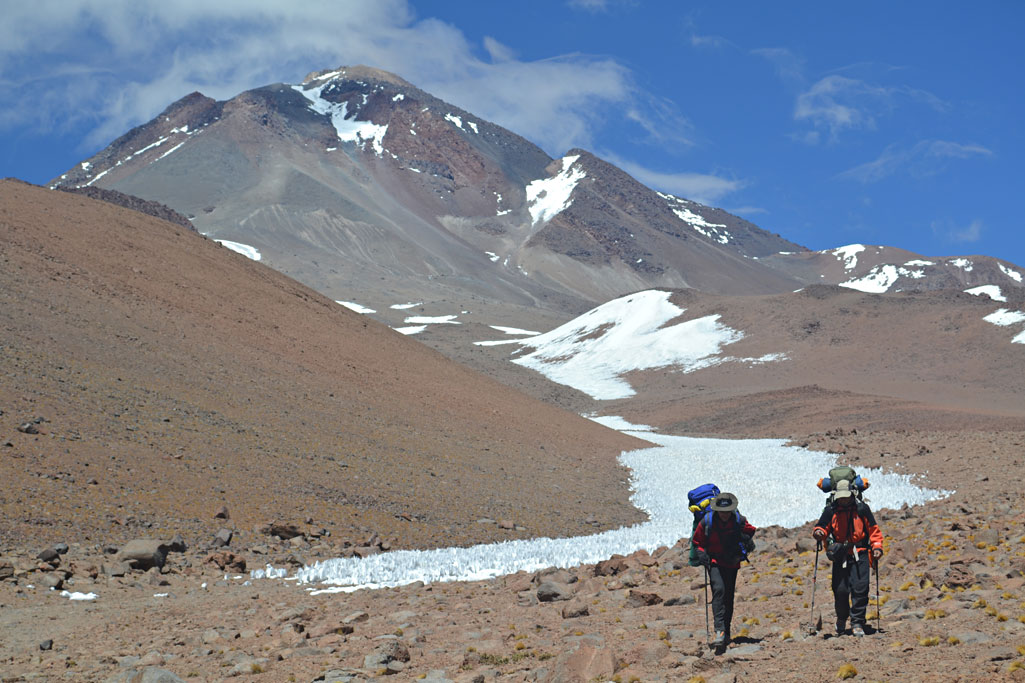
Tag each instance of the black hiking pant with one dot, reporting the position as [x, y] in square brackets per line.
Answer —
[850, 587]
[724, 585]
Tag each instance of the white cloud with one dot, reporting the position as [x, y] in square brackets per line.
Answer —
[698, 187]
[952, 232]
[837, 103]
[925, 158]
[140, 57]
[789, 67]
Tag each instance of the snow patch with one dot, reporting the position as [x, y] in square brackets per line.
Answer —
[435, 320]
[1013, 274]
[512, 330]
[919, 262]
[402, 307]
[696, 221]
[881, 278]
[356, 307]
[348, 130]
[492, 255]
[549, 196]
[455, 119]
[849, 255]
[992, 291]
[473, 125]
[963, 263]
[1004, 317]
[412, 329]
[75, 595]
[398, 98]
[246, 250]
[592, 352]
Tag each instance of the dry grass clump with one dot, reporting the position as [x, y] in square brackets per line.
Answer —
[846, 671]
[929, 641]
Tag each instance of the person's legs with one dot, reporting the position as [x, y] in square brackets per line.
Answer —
[858, 582]
[842, 593]
[715, 578]
[729, 578]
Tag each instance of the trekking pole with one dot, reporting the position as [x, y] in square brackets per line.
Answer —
[708, 635]
[879, 611]
[814, 585]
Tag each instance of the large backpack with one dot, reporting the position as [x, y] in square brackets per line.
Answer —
[699, 499]
[844, 472]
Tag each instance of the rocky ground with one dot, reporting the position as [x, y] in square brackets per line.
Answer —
[950, 590]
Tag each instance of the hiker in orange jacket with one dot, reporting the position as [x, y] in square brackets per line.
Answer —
[721, 546]
[854, 543]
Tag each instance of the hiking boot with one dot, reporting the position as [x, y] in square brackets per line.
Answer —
[720, 638]
[858, 630]
[841, 627]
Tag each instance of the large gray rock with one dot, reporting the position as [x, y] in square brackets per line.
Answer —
[550, 591]
[143, 553]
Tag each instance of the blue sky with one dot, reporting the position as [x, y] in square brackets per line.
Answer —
[880, 123]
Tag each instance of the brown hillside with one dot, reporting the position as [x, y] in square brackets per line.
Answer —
[167, 376]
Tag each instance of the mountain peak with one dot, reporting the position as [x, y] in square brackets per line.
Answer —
[357, 72]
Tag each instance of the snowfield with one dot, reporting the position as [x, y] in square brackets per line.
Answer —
[774, 483]
[592, 352]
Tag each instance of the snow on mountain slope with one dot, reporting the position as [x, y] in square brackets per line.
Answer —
[593, 352]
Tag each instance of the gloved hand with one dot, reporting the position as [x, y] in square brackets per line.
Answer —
[819, 535]
[702, 557]
[877, 553]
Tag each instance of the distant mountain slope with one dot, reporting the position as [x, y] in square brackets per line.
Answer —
[167, 376]
[687, 361]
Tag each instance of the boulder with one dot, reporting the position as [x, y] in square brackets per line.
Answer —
[143, 553]
[226, 560]
[550, 591]
[638, 598]
[222, 538]
[612, 566]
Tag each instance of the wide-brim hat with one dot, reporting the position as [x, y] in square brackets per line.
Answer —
[843, 489]
[724, 502]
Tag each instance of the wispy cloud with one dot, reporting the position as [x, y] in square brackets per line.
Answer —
[838, 103]
[789, 66]
[700, 187]
[926, 158]
[949, 231]
[140, 57]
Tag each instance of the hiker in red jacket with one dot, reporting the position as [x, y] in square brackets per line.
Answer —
[722, 540]
[854, 544]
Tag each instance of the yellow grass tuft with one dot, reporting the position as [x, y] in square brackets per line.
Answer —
[953, 640]
[1016, 666]
[906, 586]
[929, 642]
[846, 671]
[788, 635]
[752, 621]
[743, 632]
[1021, 650]
[696, 679]
[979, 603]
[935, 614]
